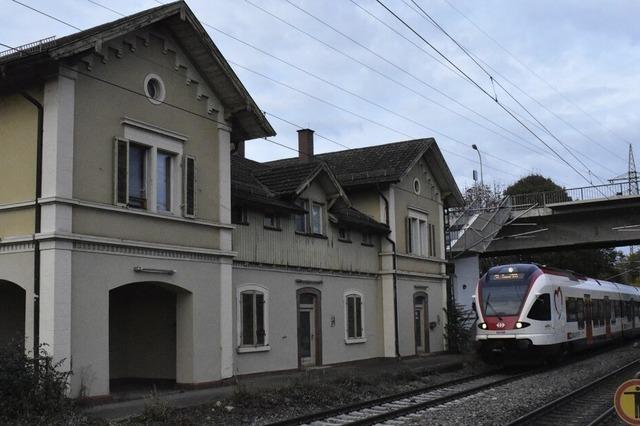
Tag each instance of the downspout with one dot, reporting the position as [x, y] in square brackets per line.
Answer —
[395, 280]
[38, 226]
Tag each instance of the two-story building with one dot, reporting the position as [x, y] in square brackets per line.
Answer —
[340, 255]
[135, 246]
[115, 227]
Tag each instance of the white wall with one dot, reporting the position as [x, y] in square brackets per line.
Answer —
[467, 273]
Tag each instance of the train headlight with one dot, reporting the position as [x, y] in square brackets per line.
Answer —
[522, 324]
[518, 324]
[482, 326]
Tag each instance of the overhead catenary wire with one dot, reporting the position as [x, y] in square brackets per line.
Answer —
[546, 82]
[430, 19]
[484, 91]
[475, 59]
[191, 112]
[300, 91]
[402, 70]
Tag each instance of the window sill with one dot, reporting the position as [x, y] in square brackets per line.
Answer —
[307, 234]
[249, 349]
[355, 341]
[273, 228]
[344, 241]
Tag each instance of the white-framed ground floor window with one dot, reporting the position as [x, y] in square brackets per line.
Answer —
[354, 317]
[253, 318]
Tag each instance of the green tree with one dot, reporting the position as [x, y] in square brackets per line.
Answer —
[529, 189]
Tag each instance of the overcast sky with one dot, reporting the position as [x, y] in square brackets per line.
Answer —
[580, 60]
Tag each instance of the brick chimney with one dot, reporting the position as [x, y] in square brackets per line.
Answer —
[305, 144]
[239, 149]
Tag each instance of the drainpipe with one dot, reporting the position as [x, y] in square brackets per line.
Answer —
[395, 280]
[38, 225]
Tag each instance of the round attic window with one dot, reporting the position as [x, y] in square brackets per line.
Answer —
[416, 186]
[154, 88]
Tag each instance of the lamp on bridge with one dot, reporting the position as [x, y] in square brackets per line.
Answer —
[474, 146]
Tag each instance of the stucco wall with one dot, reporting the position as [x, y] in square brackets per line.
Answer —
[18, 137]
[427, 201]
[94, 274]
[102, 223]
[101, 107]
[282, 287]
[407, 288]
[467, 273]
[368, 202]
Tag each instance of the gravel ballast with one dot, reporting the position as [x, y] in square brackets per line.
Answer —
[508, 402]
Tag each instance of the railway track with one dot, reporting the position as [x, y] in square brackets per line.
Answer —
[590, 404]
[396, 406]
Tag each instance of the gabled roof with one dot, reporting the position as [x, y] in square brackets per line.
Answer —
[388, 163]
[36, 62]
[275, 187]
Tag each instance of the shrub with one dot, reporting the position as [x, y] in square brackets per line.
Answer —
[458, 331]
[32, 389]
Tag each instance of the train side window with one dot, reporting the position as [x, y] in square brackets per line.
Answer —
[629, 309]
[599, 313]
[580, 312]
[623, 309]
[541, 308]
[572, 315]
[616, 309]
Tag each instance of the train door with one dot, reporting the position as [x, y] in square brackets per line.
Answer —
[588, 318]
[607, 317]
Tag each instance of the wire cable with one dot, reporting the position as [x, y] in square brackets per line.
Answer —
[484, 91]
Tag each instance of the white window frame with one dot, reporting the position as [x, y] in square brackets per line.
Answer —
[254, 288]
[351, 340]
[322, 225]
[417, 245]
[157, 139]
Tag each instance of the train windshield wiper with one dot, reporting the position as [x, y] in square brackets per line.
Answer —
[489, 305]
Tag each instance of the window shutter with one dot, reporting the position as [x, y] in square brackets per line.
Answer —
[189, 201]
[407, 225]
[121, 171]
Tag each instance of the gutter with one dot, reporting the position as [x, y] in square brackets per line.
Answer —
[38, 226]
[394, 274]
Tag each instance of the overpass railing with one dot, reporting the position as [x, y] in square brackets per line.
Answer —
[542, 199]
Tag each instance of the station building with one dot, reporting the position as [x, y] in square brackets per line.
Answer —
[138, 243]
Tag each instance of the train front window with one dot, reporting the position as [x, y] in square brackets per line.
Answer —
[504, 289]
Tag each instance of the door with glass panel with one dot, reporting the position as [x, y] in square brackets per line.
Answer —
[307, 334]
[421, 323]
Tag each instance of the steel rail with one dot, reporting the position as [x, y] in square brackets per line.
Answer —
[374, 402]
[534, 417]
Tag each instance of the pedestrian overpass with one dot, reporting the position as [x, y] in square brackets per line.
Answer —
[586, 217]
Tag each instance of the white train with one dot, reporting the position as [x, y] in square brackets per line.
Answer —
[528, 309]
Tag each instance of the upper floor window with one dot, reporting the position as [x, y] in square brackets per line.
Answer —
[354, 318]
[367, 238]
[253, 314]
[138, 155]
[147, 177]
[344, 235]
[239, 215]
[301, 219]
[271, 221]
[417, 234]
[317, 218]
[164, 167]
[154, 89]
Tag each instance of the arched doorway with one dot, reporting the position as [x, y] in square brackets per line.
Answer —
[421, 322]
[12, 314]
[309, 327]
[143, 331]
